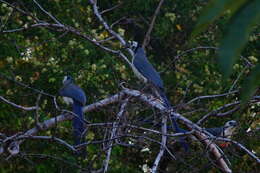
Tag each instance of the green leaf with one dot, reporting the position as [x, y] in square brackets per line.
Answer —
[214, 10]
[251, 84]
[238, 33]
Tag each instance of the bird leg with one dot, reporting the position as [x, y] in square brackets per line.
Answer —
[225, 144]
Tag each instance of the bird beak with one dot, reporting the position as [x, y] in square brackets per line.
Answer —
[235, 124]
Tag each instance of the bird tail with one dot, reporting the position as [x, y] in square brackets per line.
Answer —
[167, 104]
[177, 129]
[78, 123]
[182, 141]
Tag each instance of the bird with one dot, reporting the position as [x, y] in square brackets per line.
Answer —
[225, 131]
[75, 96]
[145, 71]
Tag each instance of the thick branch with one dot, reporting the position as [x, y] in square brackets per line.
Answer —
[214, 150]
[199, 131]
[47, 124]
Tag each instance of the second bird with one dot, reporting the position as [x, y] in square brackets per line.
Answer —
[72, 94]
[146, 72]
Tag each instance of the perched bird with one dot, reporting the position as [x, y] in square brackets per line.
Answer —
[144, 70]
[72, 94]
[225, 131]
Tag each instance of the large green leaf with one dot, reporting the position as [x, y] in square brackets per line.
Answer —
[215, 9]
[251, 84]
[237, 35]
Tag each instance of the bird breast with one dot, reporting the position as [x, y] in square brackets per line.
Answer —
[68, 100]
[138, 74]
[229, 131]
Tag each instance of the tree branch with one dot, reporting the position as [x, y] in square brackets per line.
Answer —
[18, 106]
[113, 134]
[46, 12]
[148, 33]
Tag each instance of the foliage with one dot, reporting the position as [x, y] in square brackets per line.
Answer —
[243, 16]
[40, 57]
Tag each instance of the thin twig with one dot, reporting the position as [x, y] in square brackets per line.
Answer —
[211, 96]
[148, 33]
[46, 12]
[251, 154]
[214, 112]
[18, 106]
[112, 8]
[238, 77]
[163, 145]
[26, 86]
[113, 134]
[48, 138]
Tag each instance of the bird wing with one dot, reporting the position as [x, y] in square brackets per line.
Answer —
[146, 69]
[73, 91]
[217, 131]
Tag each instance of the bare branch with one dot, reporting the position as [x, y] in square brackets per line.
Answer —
[148, 33]
[51, 138]
[117, 21]
[61, 28]
[113, 134]
[163, 145]
[68, 162]
[110, 100]
[199, 131]
[148, 99]
[235, 82]
[107, 27]
[105, 40]
[251, 154]
[215, 112]
[47, 124]
[211, 96]
[193, 49]
[46, 12]
[113, 33]
[18, 106]
[215, 151]
[110, 9]
[26, 86]
[20, 10]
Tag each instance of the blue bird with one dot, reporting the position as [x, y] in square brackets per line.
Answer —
[146, 72]
[224, 131]
[72, 94]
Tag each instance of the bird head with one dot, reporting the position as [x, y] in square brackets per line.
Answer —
[231, 123]
[133, 45]
[229, 128]
[67, 79]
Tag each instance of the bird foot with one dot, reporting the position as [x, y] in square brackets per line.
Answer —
[225, 145]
